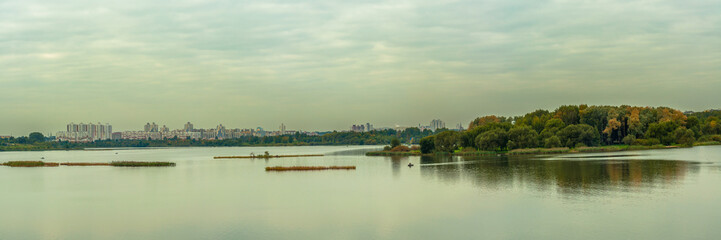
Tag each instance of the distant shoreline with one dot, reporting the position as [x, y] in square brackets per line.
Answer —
[538, 151]
[169, 147]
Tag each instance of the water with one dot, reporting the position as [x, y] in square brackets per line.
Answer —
[657, 194]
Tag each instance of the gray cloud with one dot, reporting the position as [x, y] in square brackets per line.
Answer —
[328, 64]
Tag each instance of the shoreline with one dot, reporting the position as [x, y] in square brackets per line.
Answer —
[540, 151]
[169, 147]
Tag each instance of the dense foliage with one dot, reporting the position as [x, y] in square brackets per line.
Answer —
[581, 126]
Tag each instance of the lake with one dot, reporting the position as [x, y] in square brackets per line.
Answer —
[654, 194]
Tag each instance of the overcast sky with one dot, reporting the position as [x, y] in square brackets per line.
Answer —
[323, 65]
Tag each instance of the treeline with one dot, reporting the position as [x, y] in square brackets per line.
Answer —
[576, 126]
[411, 135]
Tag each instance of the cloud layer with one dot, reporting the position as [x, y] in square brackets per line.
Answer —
[319, 65]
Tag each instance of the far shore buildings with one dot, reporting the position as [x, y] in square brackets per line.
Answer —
[93, 132]
[85, 132]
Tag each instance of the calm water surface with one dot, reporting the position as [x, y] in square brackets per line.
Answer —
[657, 194]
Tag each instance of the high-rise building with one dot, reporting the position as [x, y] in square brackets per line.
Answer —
[85, 132]
[437, 124]
[369, 127]
[282, 129]
[151, 127]
[358, 128]
[188, 127]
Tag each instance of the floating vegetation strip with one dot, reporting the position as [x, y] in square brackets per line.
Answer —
[142, 164]
[390, 153]
[270, 156]
[84, 164]
[29, 164]
[114, 164]
[308, 168]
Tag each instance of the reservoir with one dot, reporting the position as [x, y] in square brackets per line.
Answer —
[653, 194]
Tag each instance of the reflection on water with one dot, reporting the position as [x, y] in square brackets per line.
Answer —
[566, 176]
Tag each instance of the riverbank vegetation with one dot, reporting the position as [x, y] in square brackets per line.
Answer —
[308, 168]
[141, 164]
[376, 137]
[29, 164]
[114, 164]
[581, 128]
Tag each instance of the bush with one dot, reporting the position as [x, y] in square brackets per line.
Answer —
[552, 142]
[395, 142]
[522, 137]
[400, 149]
[492, 140]
[386, 148]
[647, 142]
[428, 144]
[628, 140]
[684, 136]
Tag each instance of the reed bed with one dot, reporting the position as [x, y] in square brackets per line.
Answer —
[30, 164]
[84, 164]
[308, 168]
[270, 156]
[141, 164]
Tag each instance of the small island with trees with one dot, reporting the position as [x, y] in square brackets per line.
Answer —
[573, 128]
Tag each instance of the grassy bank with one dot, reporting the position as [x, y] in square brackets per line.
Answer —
[308, 168]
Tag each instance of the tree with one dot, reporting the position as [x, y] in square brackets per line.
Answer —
[35, 137]
[662, 131]
[552, 127]
[492, 140]
[428, 144]
[596, 117]
[684, 136]
[629, 140]
[484, 120]
[572, 135]
[568, 114]
[694, 124]
[552, 142]
[447, 141]
[522, 137]
[395, 142]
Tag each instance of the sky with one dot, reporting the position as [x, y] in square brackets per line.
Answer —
[324, 65]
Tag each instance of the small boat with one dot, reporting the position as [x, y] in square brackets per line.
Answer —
[42, 158]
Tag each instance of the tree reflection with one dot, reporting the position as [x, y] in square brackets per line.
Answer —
[584, 176]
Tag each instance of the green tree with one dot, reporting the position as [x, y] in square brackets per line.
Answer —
[395, 142]
[662, 131]
[552, 127]
[492, 140]
[447, 141]
[552, 142]
[569, 114]
[572, 135]
[428, 144]
[35, 137]
[684, 136]
[522, 137]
